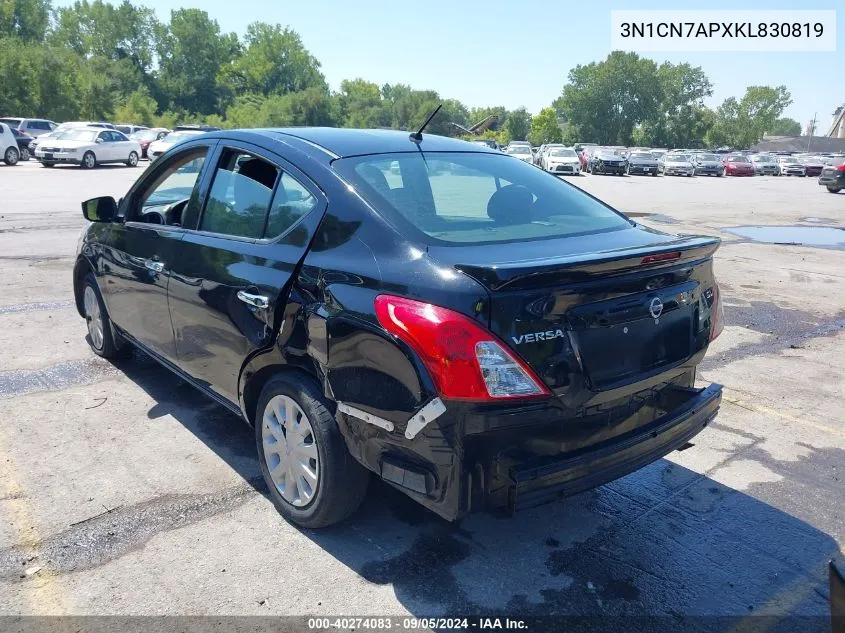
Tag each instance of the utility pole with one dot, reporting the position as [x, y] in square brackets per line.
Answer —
[812, 130]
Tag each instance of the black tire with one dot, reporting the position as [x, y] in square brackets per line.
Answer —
[133, 159]
[112, 346]
[11, 156]
[89, 161]
[48, 164]
[342, 481]
[834, 189]
[25, 153]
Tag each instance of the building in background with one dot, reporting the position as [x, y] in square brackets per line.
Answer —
[837, 127]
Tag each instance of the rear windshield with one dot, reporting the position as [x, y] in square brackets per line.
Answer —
[465, 198]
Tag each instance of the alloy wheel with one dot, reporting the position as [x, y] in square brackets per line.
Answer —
[12, 156]
[89, 160]
[94, 317]
[133, 159]
[290, 451]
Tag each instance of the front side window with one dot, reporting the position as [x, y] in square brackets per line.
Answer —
[240, 195]
[173, 188]
[474, 197]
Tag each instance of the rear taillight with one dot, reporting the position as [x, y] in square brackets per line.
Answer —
[717, 313]
[465, 360]
[662, 257]
[841, 167]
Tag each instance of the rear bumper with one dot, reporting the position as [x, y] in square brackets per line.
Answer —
[543, 480]
[837, 180]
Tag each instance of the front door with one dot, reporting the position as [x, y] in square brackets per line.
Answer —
[230, 281]
[138, 252]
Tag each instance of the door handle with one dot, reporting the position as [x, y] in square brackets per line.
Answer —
[257, 301]
[156, 267]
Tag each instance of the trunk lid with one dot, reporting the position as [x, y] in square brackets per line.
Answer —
[598, 311]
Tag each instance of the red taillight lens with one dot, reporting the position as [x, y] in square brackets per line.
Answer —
[717, 313]
[466, 361]
[841, 167]
[662, 257]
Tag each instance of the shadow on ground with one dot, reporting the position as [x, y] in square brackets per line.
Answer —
[665, 541]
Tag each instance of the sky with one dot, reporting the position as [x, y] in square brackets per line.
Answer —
[515, 53]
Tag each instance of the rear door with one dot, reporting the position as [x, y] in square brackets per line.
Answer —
[230, 281]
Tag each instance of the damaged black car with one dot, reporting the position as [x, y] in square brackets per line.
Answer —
[479, 334]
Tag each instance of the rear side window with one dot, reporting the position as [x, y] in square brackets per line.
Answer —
[474, 197]
[292, 201]
[240, 195]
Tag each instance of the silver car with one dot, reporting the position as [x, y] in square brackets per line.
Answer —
[678, 165]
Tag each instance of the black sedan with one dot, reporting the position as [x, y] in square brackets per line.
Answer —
[605, 162]
[642, 163]
[23, 139]
[833, 177]
[322, 285]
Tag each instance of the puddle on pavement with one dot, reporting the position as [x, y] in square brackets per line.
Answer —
[654, 217]
[823, 236]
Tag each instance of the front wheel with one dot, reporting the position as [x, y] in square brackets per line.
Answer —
[11, 156]
[89, 161]
[101, 337]
[834, 189]
[132, 161]
[313, 480]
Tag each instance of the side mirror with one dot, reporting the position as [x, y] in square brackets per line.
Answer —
[102, 209]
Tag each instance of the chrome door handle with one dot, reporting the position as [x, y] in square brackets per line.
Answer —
[156, 267]
[257, 301]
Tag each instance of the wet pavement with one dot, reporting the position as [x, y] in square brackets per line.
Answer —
[125, 491]
[819, 236]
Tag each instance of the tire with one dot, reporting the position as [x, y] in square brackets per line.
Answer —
[25, 153]
[834, 189]
[133, 159]
[48, 164]
[11, 156]
[339, 482]
[89, 161]
[101, 337]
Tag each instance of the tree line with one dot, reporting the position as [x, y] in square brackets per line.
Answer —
[102, 61]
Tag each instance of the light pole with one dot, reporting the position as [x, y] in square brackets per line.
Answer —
[812, 129]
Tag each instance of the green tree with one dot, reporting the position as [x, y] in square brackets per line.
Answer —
[605, 101]
[138, 107]
[680, 119]
[518, 124]
[785, 127]
[361, 105]
[545, 128]
[274, 61]
[27, 20]
[192, 51]
[741, 123]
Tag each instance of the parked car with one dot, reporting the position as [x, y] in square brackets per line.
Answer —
[791, 166]
[765, 165]
[487, 142]
[146, 137]
[522, 152]
[89, 147]
[129, 129]
[157, 148]
[562, 160]
[23, 141]
[8, 145]
[608, 162]
[641, 162]
[676, 164]
[193, 127]
[71, 125]
[813, 165]
[706, 164]
[32, 127]
[738, 165]
[447, 345]
[833, 177]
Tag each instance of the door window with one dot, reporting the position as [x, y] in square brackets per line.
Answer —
[165, 199]
[240, 195]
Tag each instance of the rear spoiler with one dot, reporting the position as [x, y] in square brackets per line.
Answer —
[520, 275]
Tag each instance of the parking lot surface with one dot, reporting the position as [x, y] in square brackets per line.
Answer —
[124, 491]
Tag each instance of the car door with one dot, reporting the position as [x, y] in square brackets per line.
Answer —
[139, 249]
[122, 145]
[229, 284]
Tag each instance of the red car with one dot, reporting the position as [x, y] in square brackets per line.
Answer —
[738, 165]
[145, 137]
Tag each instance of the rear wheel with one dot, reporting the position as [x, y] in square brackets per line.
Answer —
[834, 189]
[89, 161]
[25, 153]
[11, 156]
[132, 161]
[313, 480]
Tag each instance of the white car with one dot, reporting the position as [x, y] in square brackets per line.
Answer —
[790, 166]
[9, 152]
[157, 148]
[562, 160]
[89, 147]
[522, 152]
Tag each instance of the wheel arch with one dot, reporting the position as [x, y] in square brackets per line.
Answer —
[253, 380]
[80, 269]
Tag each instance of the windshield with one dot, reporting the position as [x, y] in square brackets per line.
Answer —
[643, 155]
[678, 158]
[79, 135]
[563, 153]
[737, 158]
[708, 158]
[176, 137]
[11, 122]
[146, 135]
[462, 198]
[519, 149]
[788, 159]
